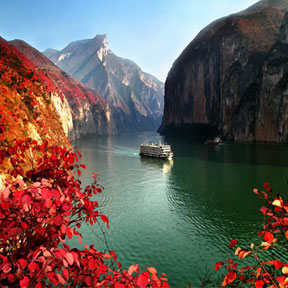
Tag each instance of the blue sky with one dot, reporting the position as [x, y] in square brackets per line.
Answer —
[151, 33]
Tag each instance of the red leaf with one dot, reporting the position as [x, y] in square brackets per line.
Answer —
[229, 278]
[14, 231]
[6, 268]
[142, 281]
[67, 206]
[46, 193]
[92, 264]
[69, 232]
[277, 264]
[232, 244]
[18, 194]
[152, 270]
[268, 237]
[26, 199]
[24, 225]
[44, 145]
[46, 253]
[63, 228]
[259, 283]
[69, 257]
[71, 159]
[266, 184]
[218, 265]
[269, 190]
[52, 278]
[242, 253]
[163, 279]
[88, 281]
[281, 280]
[11, 278]
[61, 279]
[133, 268]
[79, 173]
[23, 263]
[54, 158]
[255, 190]
[65, 273]
[33, 267]
[58, 220]
[48, 203]
[5, 193]
[264, 210]
[24, 283]
[83, 166]
[105, 219]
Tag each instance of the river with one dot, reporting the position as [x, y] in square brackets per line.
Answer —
[179, 216]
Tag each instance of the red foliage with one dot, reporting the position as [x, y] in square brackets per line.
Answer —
[25, 93]
[39, 210]
[272, 273]
[61, 81]
[233, 243]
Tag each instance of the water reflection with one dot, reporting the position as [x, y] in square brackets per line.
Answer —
[163, 164]
[109, 155]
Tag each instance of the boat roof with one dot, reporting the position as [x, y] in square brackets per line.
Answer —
[155, 145]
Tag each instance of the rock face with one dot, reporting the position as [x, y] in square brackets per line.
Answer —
[232, 79]
[135, 98]
[81, 110]
[25, 101]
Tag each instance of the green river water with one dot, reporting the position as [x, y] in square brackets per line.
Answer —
[179, 216]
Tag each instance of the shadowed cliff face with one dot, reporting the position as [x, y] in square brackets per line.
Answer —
[230, 80]
[81, 110]
[136, 99]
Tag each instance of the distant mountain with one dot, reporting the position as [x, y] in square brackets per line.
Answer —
[82, 111]
[136, 99]
[232, 79]
[50, 52]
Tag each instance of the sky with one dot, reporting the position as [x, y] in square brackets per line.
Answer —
[152, 33]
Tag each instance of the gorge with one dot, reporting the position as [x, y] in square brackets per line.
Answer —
[175, 218]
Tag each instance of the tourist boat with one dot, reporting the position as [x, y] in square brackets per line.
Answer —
[215, 141]
[160, 151]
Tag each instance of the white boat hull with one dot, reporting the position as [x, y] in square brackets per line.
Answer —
[156, 151]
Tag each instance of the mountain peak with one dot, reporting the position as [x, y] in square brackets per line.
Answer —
[135, 98]
[49, 52]
[101, 37]
[102, 45]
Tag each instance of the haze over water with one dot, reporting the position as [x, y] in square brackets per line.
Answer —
[179, 216]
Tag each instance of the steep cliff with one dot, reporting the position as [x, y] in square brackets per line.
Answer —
[231, 79]
[136, 99]
[81, 110]
[25, 100]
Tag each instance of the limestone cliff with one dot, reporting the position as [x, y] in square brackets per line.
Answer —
[81, 110]
[231, 80]
[136, 99]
